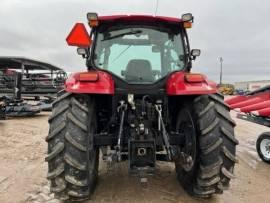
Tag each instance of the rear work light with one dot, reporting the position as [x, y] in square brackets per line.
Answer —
[194, 77]
[90, 76]
[92, 19]
[187, 17]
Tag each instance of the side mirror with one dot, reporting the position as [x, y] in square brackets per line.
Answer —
[195, 53]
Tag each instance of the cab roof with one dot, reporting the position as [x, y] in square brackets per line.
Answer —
[141, 18]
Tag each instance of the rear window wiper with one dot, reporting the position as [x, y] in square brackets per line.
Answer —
[123, 34]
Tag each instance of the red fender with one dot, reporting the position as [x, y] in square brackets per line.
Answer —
[178, 84]
[103, 84]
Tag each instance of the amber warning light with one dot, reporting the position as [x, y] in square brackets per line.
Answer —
[90, 76]
[92, 19]
[194, 77]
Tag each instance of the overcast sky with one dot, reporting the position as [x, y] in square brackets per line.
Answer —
[237, 30]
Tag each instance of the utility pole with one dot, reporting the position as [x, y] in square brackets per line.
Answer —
[156, 7]
[221, 61]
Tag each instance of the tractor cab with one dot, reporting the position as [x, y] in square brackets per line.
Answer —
[140, 52]
[135, 49]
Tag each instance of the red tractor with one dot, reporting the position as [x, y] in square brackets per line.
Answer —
[139, 102]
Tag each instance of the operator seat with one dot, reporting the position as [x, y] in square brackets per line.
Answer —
[139, 70]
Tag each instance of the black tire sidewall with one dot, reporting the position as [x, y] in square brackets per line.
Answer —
[187, 178]
[258, 147]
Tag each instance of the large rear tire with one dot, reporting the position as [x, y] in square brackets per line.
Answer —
[214, 153]
[72, 158]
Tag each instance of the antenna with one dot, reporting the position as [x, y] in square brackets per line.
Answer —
[156, 7]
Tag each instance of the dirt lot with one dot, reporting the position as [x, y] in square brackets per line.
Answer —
[23, 170]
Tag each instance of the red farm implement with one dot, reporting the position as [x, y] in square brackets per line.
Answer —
[255, 107]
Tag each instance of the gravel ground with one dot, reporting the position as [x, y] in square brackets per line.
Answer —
[23, 170]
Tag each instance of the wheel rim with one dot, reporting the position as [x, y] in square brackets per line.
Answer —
[265, 148]
[186, 127]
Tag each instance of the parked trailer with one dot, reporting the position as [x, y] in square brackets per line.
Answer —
[23, 79]
[29, 78]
